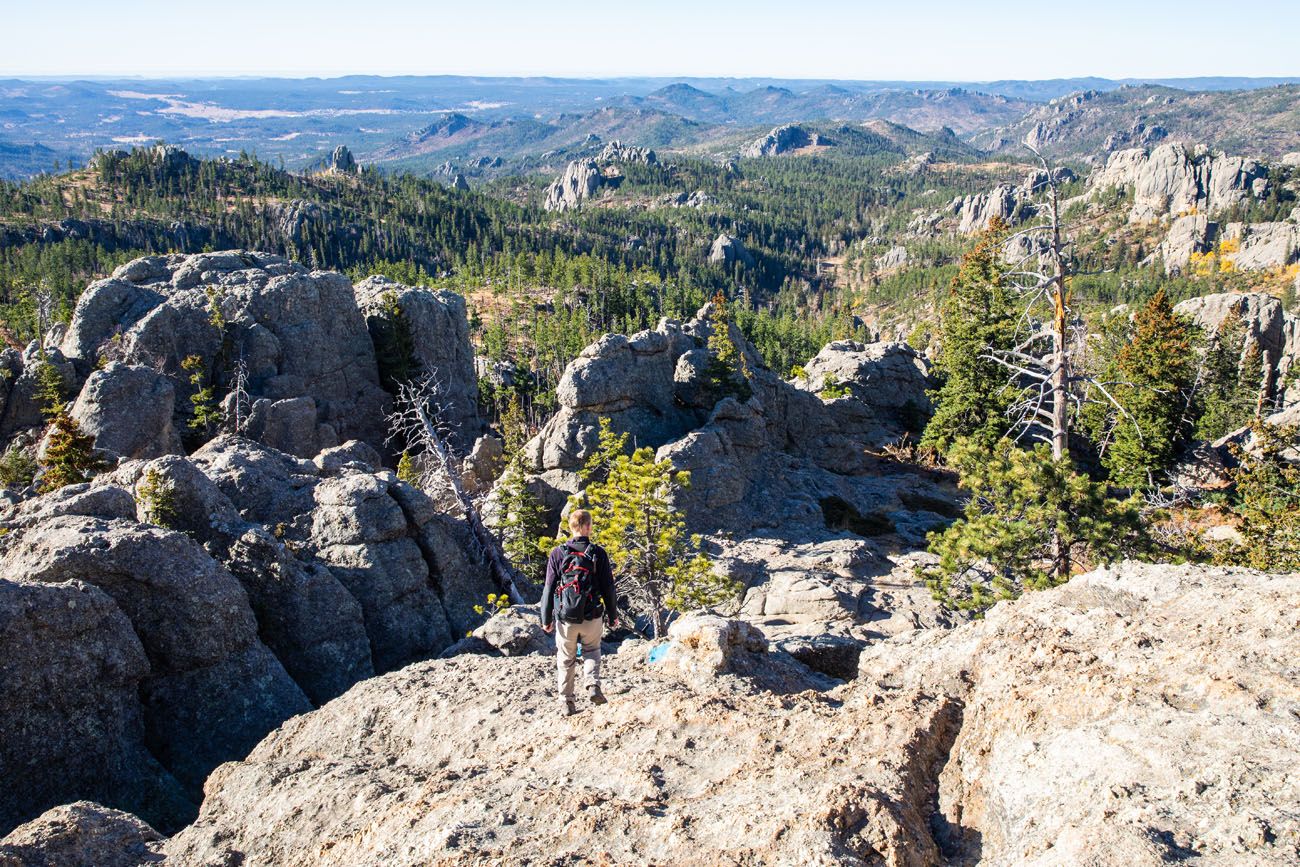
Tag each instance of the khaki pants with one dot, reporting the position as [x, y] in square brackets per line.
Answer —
[567, 638]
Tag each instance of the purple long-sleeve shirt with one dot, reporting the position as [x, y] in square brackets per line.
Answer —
[604, 580]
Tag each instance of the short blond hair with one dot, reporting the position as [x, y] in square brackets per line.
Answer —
[578, 519]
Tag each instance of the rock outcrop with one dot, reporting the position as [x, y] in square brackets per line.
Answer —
[342, 161]
[617, 152]
[426, 332]
[822, 555]
[1174, 179]
[298, 335]
[783, 140]
[129, 410]
[1263, 246]
[137, 657]
[1176, 739]
[580, 181]
[1189, 234]
[82, 834]
[1268, 326]
[727, 250]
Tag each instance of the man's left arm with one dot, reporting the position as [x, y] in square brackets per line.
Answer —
[605, 577]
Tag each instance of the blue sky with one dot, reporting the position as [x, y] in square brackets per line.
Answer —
[902, 39]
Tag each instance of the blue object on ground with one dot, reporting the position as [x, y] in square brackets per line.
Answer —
[657, 653]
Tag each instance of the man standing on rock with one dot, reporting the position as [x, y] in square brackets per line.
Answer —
[579, 593]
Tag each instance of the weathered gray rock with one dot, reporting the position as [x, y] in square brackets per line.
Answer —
[1188, 234]
[299, 335]
[304, 614]
[1263, 246]
[893, 258]
[434, 323]
[727, 250]
[1006, 202]
[617, 152]
[1174, 179]
[410, 567]
[341, 160]
[70, 724]
[1268, 326]
[213, 689]
[889, 378]
[82, 834]
[783, 140]
[483, 465]
[580, 181]
[516, 631]
[129, 411]
[23, 412]
[1177, 737]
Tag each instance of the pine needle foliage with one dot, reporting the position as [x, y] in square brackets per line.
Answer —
[1231, 378]
[658, 567]
[1267, 499]
[978, 314]
[1019, 501]
[206, 413]
[726, 372]
[1153, 374]
[70, 457]
[522, 521]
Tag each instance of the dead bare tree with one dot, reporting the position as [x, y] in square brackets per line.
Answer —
[1042, 364]
[417, 423]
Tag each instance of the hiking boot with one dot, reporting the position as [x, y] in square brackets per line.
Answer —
[596, 696]
[567, 707]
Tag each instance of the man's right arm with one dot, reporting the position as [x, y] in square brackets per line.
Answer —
[548, 591]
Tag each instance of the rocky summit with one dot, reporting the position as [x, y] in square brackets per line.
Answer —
[1126, 718]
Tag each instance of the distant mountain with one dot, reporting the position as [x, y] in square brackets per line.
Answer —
[301, 121]
[1258, 122]
[521, 142]
[957, 108]
[19, 161]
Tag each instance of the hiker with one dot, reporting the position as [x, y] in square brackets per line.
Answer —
[579, 593]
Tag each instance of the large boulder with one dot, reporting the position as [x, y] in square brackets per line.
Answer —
[1263, 246]
[295, 334]
[783, 140]
[1189, 234]
[890, 379]
[71, 724]
[23, 409]
[431, 327]
[1133, 716]
[213, 688]
[129, 409]
[80, 834]
[581, 180]
[411, 569]
[727, 250]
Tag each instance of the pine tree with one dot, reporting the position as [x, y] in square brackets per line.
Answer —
[206, 413]
[976, 314]
[1152, 376]
[1267, 499]
[70, 457]
[522, 521]
[726, 371]
[1023, 503]
[1231, 380]
[49, 387]
[658, 567]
